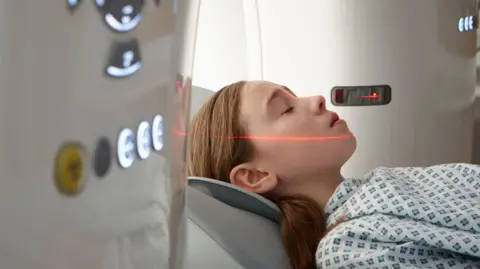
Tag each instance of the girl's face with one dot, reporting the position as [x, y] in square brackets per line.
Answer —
[297, 138]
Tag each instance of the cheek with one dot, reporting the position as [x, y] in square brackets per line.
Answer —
[301, 128]
[291, 155]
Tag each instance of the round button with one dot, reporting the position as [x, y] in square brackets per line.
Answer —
[69, 171]
[103, 157]
[124, 60]
[143, 140]
[460, 25]
[157, 132]
[126, 148]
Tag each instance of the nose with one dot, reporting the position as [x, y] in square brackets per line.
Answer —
[317, 104]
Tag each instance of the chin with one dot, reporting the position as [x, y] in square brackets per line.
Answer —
[350, 146]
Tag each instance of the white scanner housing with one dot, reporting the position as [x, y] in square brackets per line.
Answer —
[92, 124]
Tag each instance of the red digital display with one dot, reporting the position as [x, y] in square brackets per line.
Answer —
[339, 96]
[372, 95]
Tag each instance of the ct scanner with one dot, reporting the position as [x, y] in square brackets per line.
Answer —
[93, 113]
[94, 103]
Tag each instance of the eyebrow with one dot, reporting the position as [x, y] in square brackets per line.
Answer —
[288, 91]
[276, 93]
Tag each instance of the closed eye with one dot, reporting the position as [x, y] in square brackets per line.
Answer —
[289, 110]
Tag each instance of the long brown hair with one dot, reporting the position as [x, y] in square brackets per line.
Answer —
[302, 222]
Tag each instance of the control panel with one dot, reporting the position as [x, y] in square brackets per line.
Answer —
[123, 61]
[376, 95]
[139, 143]
[467, 24]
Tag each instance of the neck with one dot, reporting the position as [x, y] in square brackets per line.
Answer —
[323, 187]
[319, 187]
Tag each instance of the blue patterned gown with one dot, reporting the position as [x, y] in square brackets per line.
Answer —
[414, 217]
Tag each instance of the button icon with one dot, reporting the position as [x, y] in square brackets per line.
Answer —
[125, 59]
[143, 140]
[103, 156]
[69, 170]
[121, 15]
[126, 148]
[157, 132]
[73, 4]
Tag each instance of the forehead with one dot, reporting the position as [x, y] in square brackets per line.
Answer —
[256, 92]
[255, 95]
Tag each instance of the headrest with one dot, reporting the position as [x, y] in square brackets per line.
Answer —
[236, 197]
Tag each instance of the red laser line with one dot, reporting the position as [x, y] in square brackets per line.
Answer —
[277, 138]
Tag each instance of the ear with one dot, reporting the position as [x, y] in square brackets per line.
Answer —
[253, 179]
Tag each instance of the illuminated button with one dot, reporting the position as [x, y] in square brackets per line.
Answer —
[126, 148]
[157, 132]
[69, 170]
[143, 140]
[121, 15]
[103, 157]
[467, 23]
[460, 25]
[125, 59]
[73, 4]
[470, 23]
[100, 3]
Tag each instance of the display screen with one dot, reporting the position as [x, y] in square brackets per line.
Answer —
[376, 95]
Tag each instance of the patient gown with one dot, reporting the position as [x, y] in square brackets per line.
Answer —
[413, 217]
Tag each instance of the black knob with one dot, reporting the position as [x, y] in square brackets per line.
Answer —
[103, 157]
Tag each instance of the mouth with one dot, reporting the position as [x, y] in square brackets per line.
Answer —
[334, 119]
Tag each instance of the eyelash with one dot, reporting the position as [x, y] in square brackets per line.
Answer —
[289, 110]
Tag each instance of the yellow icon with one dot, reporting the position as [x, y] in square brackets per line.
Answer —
[70, 169]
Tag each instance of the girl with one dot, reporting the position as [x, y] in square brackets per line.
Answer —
[259, 136]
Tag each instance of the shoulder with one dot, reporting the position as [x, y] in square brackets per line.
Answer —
[463, 168]
[345, 243]
[366, 242]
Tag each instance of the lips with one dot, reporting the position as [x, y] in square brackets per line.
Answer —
[334, 119]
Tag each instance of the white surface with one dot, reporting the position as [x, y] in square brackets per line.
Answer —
[476, 133]
[315, 45]
[52, 90]
[199, 96]
[221, 44]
